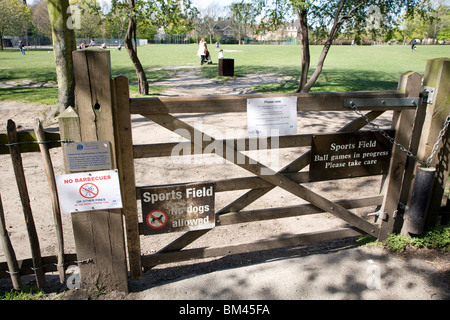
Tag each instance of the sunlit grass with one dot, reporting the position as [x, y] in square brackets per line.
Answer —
[347, 68]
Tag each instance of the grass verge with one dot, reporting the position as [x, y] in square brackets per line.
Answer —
[433, 238]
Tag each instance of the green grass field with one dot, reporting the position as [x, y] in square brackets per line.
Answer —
[346, 68]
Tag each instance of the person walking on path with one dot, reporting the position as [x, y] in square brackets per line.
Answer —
[21, 47]
[202, 51]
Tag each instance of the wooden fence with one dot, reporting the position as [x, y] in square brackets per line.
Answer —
[104, 111]
[15, 144]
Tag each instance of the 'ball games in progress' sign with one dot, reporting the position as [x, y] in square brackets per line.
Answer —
[347, 155]
[178, 208]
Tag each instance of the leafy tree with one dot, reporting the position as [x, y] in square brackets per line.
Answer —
[174, 15]
[244, 17]
[331, 15]
[91, 22]
[40, 18]
[13, 15]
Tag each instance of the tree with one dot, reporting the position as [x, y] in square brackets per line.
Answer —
[40, 18]
[63, 45]
[208, 24]
[331, 15]
[91, 22]
[13, 15]
[131, 46]
[244, 16]
[174, 15]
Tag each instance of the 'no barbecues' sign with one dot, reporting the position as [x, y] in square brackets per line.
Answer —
[87, 191]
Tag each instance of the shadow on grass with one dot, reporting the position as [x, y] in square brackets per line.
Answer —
[336, 80]
[43, 95]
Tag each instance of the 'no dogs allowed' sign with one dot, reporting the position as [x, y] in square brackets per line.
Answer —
[178, 208]
[87, 191]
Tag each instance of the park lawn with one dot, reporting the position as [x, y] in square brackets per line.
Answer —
[347, 68]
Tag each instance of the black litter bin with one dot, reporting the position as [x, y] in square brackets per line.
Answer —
[226, 67]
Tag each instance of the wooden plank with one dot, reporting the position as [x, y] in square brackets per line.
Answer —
[40, 135]
[292, 211]
[188, 148]
[99, 235]
[234, 184]
[172, 123]
[25, 200]
[403, 123]
[12, 265]
[280, 242]
[125, 163]
[289, 211]
[27, 141]
[323, 101]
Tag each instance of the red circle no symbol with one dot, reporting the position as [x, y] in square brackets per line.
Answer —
[89, 190]
[156, 219]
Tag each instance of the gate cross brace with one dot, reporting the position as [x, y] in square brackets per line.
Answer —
[295, 166]
[254, 194]
[275, 178]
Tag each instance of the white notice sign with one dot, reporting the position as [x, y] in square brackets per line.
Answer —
[87, 191]
[272, 116]
[88, 156]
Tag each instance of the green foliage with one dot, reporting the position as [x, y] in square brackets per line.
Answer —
[397, 242]
[13, 15]
[435, 238]
[438, 237]
[27, 293]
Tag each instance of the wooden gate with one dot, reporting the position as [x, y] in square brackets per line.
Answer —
[408, 115]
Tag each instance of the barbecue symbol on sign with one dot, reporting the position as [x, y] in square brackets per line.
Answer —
[156, 219]
[89, 190]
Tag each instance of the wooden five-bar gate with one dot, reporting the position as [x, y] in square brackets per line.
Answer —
[105, 242]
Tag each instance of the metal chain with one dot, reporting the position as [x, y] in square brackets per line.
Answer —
[439, 139]
[401, 147]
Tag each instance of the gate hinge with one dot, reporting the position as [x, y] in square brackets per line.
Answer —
[381, 102]
[430, 92]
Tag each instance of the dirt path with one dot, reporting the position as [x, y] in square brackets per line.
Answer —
[187, 82]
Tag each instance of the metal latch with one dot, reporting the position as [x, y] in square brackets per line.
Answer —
[430, 91]
[381, 102]
[380, 214]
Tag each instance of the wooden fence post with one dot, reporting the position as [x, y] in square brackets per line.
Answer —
[125, 163]
[40, 135]
[10, 255]
[403, 123]
[437, 76]
[16, 158]
[99, 235]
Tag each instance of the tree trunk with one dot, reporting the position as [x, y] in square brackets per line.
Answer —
[306, 59]
[63, 45]
[132, 52]
[338, 21]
